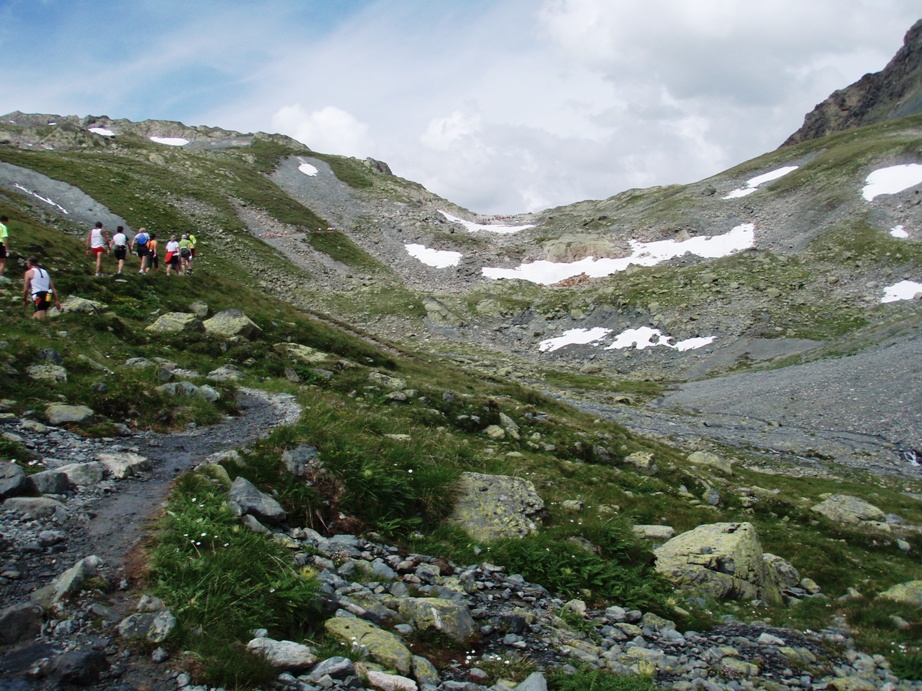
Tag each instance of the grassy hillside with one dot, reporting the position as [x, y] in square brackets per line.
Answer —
[375, 480]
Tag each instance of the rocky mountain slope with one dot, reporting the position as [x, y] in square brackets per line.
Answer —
[890, 94]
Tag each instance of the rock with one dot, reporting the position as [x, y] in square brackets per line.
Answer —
[245, 498]
[84, 474]
[909, 593]
[284, 654]
[199, 309]
[382, 646]
[303, 353]
[20, 622]
[63, 414]
[533, 682]
[719, 560]
[50, 482]
[440, 315]
[654, 532]
[68, 582]
[643, 462]
[849, 510]
[495, 432]
[390, 682]
[335, 667]
[388, 382]
[36, 507]
[79, 305]
[122, 465]
[12, 480]
[712, 461]
[81, 667]
[47, 373]
[176, 322]
[781, 571]
[154, 626]
[231, 324]
[424, 671]
[298, 460]
[494, 507]
[434, 614]
[226, 373]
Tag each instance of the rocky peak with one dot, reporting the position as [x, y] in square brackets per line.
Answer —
[892, 93]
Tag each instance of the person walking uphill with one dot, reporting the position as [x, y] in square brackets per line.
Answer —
[140, 241]
[4, 243]
[120, 247]
[37, 282]
[97, 242]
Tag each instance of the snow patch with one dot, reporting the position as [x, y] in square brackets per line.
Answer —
[899, 232]
[573, 337]
[102, 131]
[892, 180]
[472, 227]
[440, 259]
[44, 199]
[170, 141]
[308, 169]
[643, 337]
[643, 254]
[904, 290]
[752, 184]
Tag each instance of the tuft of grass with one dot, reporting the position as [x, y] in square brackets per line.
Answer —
[222, 581]
[587, 679]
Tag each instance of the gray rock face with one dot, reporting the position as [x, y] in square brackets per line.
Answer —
[231, 324]
[84, 474]
[36, 507]
[435, 614]
[68, 582]
[226, 373]
[122, 465]
[245, 498]
[494, 507]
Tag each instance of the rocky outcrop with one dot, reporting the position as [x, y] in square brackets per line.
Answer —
[63, 414]
[719, 560]
[894, 92]
[496, 507]
[246, 499]
[907, 593]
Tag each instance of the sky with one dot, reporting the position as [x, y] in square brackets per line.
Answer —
[500, 106]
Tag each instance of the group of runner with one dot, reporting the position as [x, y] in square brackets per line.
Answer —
[37, 283]
[178, 254]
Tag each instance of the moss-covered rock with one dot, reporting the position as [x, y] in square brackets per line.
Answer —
[495, 507]
[719, 560]
[381, 646]
[435, 614]
[176, 322]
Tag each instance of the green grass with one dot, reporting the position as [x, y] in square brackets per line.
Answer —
[222, 581]
[586, 679]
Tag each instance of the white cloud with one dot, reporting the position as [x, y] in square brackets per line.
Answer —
[328, 130]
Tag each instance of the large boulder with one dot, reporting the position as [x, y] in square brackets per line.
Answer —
[435, 614]
[496, 507]
[63, 414]
[176, 322]
[37, 507]
[19, 622]
[78, 305]
[718, 560]
[440, 315]
[231, 324]
[845, 509]
[84, 474]
[246, 499]
[51, 374]
[68, 583]
[381, 646]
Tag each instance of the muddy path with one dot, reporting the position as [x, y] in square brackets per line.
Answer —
[121, 520]
[112, 523]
